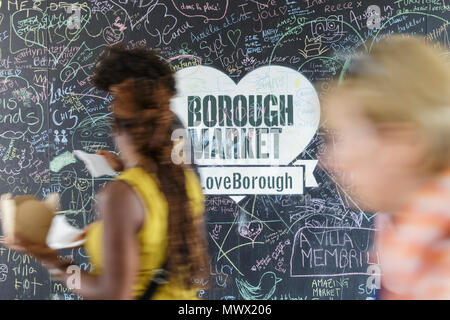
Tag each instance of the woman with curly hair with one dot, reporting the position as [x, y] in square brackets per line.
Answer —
[151, 215]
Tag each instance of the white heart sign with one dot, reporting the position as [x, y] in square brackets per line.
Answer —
[267, 119]
[276, 103]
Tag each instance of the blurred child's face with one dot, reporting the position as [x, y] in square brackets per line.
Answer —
[369, 161]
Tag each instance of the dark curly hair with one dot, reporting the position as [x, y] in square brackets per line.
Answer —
[146, 84]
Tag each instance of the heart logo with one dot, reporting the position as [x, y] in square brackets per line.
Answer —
[278, 101]
[251, 230]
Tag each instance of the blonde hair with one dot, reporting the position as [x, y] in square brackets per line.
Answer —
[404, 79]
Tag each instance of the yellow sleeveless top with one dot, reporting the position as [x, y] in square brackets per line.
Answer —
[153, 234]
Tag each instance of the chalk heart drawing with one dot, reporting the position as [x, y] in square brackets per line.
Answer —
[283, 10]
[198, 10]
[251, 230]
[234, 36]
[276, 80]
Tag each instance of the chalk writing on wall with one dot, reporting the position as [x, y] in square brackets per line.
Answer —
[312, 244]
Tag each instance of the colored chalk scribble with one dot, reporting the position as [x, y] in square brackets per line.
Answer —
[314, 245]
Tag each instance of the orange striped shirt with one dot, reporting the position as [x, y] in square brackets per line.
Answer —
[414, 247]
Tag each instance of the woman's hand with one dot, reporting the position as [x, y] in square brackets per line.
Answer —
[113, 160]
[81, 236]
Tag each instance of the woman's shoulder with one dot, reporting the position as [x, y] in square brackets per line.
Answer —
[118, 197]
[146, 185]
[115, 190]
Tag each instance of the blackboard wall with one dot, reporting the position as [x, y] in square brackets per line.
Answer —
[309, 246]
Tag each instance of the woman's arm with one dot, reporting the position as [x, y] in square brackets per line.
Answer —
[123, 214]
